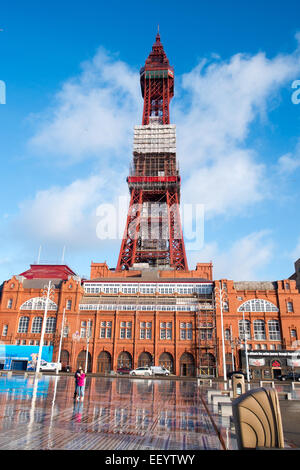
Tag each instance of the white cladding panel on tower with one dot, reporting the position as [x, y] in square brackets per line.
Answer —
[155, 138]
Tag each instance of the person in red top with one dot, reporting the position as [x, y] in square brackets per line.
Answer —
[80, 382]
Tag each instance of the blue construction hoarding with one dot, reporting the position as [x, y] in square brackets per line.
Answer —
[21, 357]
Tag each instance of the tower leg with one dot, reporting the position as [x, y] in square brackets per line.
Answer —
[128, 246]
[177, 249]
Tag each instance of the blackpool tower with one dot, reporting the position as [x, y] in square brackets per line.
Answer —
[153, 233]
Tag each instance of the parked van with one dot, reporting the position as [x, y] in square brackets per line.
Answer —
[160, 370]
[50, 365]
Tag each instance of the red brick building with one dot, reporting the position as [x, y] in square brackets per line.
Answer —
[139, 317]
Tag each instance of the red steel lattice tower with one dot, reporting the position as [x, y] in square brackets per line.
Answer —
[153, 232]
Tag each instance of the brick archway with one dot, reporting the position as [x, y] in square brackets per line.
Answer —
[81, 359]
[124, 359]
[145, 359]
[104, 362]
[166, 360]
[187, 365]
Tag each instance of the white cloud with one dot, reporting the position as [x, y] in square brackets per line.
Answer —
[66, 215]
[289, 162]
[93, 114]
[218, 104]
[228, 186]
[296, 252]
[243, 260]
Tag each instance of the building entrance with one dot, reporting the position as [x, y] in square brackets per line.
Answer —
[104, 362]
[187, 365]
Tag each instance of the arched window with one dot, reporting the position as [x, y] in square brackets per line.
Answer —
[104, 362]
[36, 326]
[257, 305]
[294, 334]
[244, 329]
[38, 303]
[145, 359]
[23, 325]
[124, 360]
[227, 334]
[259, 330]
[274, 330]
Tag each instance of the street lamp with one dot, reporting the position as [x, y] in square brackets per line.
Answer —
[60, 341]
[221, 301]
[246, 347]
[87, 344]
[48, 293]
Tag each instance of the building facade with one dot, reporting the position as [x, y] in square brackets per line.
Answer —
[152, 317]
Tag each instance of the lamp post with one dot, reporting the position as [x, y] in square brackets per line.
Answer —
[87, 345]
[60, 341]
[48, 293]
[246, 348]
[222, 297]
[232, 344]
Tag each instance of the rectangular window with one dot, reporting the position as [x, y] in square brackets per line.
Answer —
[23, 325]
[145, 330]
[274, 330]
[105, 329]
[186, 331]
[50, 325]
[259, 330]
[290, 307]
[9, 303]
[5, 329]
[244, 329]
[206, 334]
[69, 305]
[83, 329]
[166, 330]
[125, 329]
[66, 331]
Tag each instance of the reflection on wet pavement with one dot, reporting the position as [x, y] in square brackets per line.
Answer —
[116, 414]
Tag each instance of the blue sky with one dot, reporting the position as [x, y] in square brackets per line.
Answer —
[71, 75]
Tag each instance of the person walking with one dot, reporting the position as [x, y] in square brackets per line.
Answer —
[80, 383]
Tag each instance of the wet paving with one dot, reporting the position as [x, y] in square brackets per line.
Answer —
[116, 414]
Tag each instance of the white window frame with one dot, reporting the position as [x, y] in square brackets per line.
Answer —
[36, 325]
[274, 330]
[259, 330]
[257, 305]
[23, 325]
